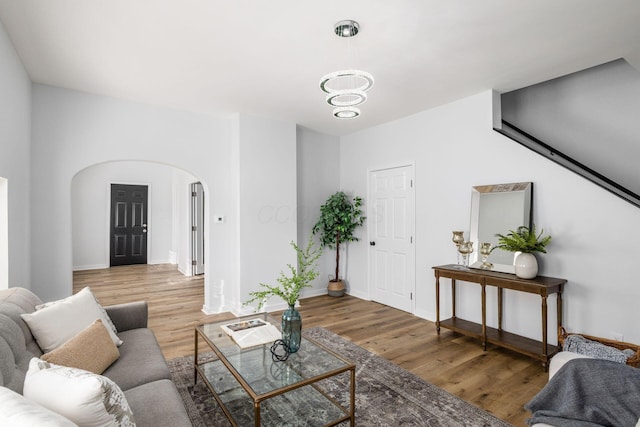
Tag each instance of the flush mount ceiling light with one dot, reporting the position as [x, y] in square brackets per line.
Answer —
[346, 89]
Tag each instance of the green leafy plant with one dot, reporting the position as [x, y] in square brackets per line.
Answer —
[524, 239]
[290, 285]
[339, 218]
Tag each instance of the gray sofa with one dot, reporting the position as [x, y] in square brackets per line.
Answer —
[141, 371]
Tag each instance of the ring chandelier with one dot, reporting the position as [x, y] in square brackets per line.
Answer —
[346, 89]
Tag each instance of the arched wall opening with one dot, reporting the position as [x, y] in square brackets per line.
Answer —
[72, 131]
[169, 212]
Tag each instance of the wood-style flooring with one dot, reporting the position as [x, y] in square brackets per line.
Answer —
[498, 381]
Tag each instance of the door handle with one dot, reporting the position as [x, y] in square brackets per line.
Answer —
[372, 243]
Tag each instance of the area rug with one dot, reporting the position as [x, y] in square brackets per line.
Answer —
[386, 395]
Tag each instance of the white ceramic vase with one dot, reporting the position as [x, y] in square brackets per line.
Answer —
[526, 265]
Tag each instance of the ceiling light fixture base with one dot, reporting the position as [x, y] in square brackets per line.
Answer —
[347, 28]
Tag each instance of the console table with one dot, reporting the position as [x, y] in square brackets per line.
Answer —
[543, 286]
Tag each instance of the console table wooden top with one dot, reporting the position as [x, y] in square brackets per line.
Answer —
[540, 285]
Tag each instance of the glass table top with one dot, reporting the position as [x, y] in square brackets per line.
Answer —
[256, 366]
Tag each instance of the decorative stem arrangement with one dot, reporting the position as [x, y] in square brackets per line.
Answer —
[524, 239]
[289, 288]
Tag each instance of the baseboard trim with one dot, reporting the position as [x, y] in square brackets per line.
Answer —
[91, 267]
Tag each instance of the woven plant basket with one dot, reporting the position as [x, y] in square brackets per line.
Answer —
[620, 345]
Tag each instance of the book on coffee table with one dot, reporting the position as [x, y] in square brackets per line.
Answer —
[252, 332]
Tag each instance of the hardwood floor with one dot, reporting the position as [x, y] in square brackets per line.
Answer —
[498, 381]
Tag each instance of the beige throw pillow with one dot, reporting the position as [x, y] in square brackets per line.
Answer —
[91, 350]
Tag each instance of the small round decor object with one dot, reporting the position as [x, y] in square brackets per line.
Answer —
[280, 351]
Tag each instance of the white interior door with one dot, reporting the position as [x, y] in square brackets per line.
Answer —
[391, 219]
[197, 229]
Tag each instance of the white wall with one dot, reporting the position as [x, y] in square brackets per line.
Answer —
[318, 178]
[91, 204]
[246, 165]
[455, 148]
[72, 131]
[266, 182]
[15, 130]
[4, 234]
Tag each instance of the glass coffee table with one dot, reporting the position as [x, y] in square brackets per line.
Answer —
[254, 390]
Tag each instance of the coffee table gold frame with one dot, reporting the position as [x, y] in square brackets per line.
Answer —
[231, 356]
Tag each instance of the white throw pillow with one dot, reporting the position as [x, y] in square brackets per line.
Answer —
[18, 411]
[57, 322]
[87, 399]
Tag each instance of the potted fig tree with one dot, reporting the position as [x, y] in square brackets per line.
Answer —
[339, 218]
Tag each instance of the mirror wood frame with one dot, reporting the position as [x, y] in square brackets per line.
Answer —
[511, 205]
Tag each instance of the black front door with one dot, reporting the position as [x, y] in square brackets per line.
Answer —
[128, 224]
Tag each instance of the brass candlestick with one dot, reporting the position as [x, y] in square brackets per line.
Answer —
[458, 239]
[485, 251]
[465, 249]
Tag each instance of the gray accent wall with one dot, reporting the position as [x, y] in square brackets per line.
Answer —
[590, 116]
[318, 175]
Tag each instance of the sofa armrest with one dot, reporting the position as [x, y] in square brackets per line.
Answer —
[559, 360]
[132, 315]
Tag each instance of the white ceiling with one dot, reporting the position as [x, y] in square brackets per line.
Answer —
[266, 57]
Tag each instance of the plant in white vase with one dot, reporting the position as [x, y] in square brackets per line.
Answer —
[525, 241]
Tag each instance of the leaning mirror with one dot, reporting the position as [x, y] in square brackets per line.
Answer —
[498, 209]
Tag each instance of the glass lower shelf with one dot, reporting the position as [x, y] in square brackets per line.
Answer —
[304, 406]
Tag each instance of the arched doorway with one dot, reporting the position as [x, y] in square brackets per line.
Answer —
[168, 223]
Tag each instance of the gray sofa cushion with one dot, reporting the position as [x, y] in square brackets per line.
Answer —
[16, 301]
[157, 403]
[131, 315]
[141, 360]
[15, 357]
[17, 345]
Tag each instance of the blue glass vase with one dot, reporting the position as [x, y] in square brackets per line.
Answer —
[292, 328]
